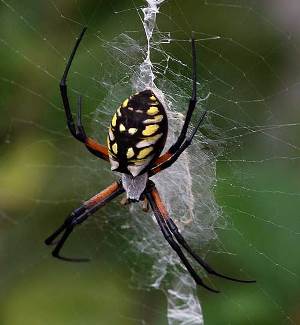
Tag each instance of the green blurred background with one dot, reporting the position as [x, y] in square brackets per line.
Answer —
[250, 66]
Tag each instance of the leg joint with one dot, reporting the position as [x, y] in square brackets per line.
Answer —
[63, 84]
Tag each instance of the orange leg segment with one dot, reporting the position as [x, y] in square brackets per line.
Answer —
[103, 195]
[96, 148]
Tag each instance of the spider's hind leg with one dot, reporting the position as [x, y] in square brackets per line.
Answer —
[51, 240]
[161, 214]
[78, 216]
[172, 226]
[169, 229]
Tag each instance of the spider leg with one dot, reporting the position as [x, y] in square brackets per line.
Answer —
[165, 160]
[78, 131]
[192, 104]
[174, 230]
[51, 240]
[79, 215]
[64, 91]
[172, 226]
[60, 244]
[159, 212]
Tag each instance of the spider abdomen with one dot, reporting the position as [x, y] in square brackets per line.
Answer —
[137, 133]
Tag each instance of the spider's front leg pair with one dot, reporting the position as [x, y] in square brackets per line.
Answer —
[77, 130]
[79, 215]
[101, 151]
[184, 140]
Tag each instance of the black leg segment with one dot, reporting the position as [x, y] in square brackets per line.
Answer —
[169, 229]
[78, 216]
[64, 91]
[168, 236]
[172, 226]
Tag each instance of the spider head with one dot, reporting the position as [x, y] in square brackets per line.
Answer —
[137, 134]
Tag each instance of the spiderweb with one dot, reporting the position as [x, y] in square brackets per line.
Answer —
[234, 193]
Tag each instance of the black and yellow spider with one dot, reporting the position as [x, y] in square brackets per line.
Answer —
[135, 140]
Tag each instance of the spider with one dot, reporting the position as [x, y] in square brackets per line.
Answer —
[136, 138]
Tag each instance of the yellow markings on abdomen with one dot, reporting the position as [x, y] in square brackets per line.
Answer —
[148, 141]
[150, 129]
[122, 128]
[114, 120]
[111, 135]
[132, 130]
[125, 103]
[138, 162]
[152, 110]
[156, 119]
[130, 153]
[108, 143]
[144, 153]
[115, 148]
[153, 98]
[119, 112]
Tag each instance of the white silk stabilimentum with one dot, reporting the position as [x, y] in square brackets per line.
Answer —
[187, 187]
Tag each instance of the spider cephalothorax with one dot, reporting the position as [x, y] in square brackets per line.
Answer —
[136, 138]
